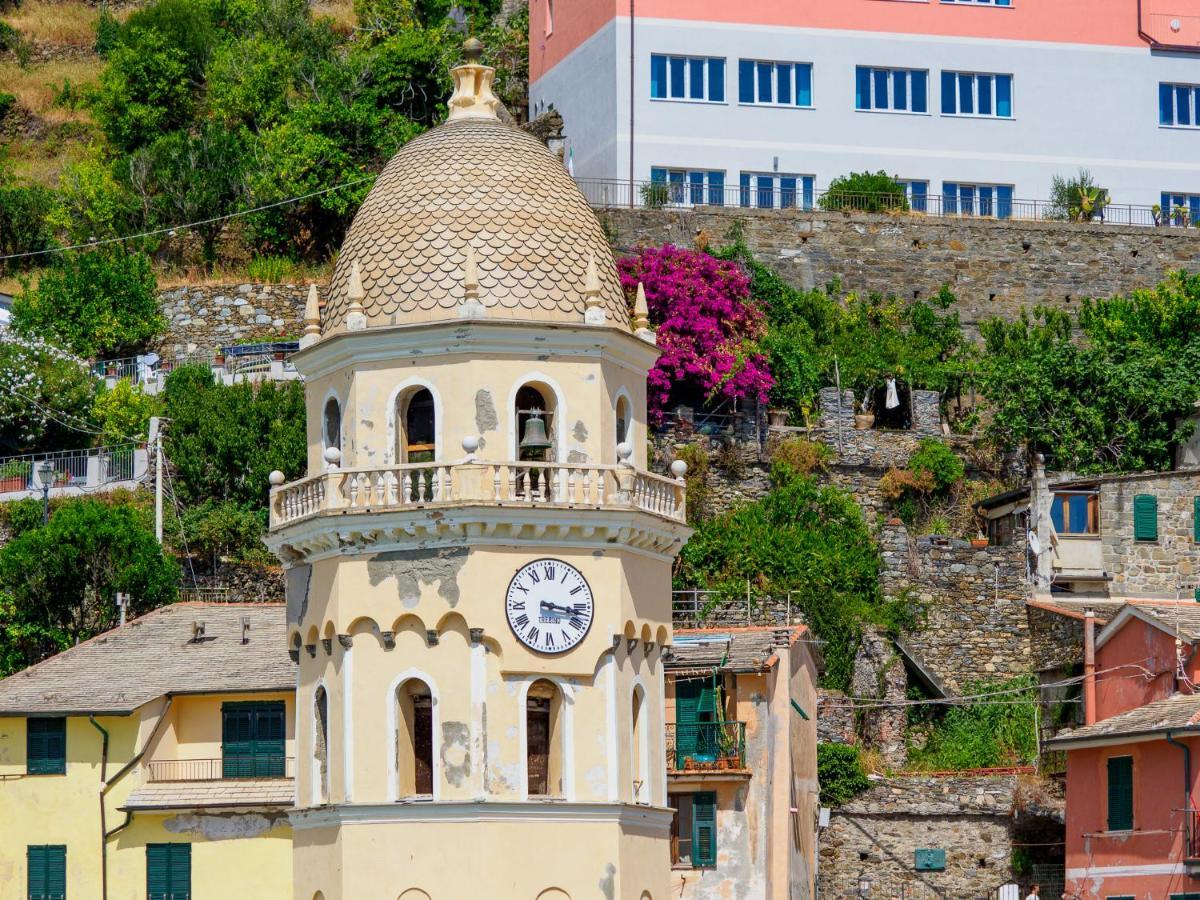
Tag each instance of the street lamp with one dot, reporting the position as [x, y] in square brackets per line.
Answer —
[864, 885]
[45, 471]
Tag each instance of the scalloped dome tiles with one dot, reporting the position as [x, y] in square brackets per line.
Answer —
[474, 181]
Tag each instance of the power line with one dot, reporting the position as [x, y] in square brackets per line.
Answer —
[171, 228]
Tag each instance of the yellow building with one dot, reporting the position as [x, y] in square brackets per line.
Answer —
[742, 762]
[153, 761]
[479, 562]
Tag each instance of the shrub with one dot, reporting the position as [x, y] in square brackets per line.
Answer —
[222, 529]
[931, 472]
[802, 456]
[123, 412]
[1076, 199]
[865, 192]
[144, 91]
[270, 269]
[7, 102]
[10, 38]
[183, 25]
[985, 733]
[696, 481]
[938, 463]
[99, 303]
[840, 774]
[45, 397]
[108, 33]
[23, 211]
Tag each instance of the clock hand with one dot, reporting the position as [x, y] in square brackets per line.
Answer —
[547, 606]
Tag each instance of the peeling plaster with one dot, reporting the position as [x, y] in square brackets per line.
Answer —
[223, 826]
[485, 412]
[577, 457]
[296, 592]
[456, 753]
[579, 432]
[597, 779]
[414, 568]
[608, 884]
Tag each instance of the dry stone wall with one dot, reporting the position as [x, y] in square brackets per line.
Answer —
[209, 316]
[995, 268]
[1168, 566]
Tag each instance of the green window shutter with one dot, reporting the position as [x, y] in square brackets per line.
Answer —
[1145, 517]
[704, 829]
[169, 871]
[1196, 518]
[47, 871]
[269, 733]
[46, 746]
[687, 700]
[252, 739]
[1120, 793]
[237, 746]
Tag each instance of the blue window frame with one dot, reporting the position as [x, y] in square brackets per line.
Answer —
[977, 94]
[700, 78]
[977, 199]
[772, 190]
[895, 90]
[1179, 105]
[774, 83]
[916, 192]
[1180, 209]
[691, 187]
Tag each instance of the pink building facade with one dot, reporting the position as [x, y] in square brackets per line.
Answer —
[975, 104]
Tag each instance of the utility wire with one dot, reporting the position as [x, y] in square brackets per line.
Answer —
[170, 228]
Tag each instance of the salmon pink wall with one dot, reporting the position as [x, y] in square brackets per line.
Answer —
[1157, 837]
[1104, 22]
[1136, 644]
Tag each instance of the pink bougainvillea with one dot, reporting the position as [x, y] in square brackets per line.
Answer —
[707, 325]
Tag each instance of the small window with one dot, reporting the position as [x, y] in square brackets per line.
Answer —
[414, 748]
[46, 872]
[1075, 513]
[1179, 105]
[1145, 517]
[252, 740]
[1120, 793]
[977, 94]
[995, 200]
[694, 829]
[543, 740]
[623, 423]
[699, 78]
[333, 423]
[892, 90]
[764, 190]
[46, 746]
[1179, 210]
[686, 187]
[169, 871]
[774, 83]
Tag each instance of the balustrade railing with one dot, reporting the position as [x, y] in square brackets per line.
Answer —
[235, 767]
[706, 746]
[503, 483]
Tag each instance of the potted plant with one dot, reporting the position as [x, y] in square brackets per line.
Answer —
[655, 195]
[1156, 212]
[979, 541]
[864, 418]
[777, 417]
[14, 475]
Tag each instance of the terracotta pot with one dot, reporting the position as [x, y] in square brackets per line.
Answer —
[979, 543]
[777, 416]
[863, 421]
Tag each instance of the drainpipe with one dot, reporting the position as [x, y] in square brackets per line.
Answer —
[103, 823]
[1187, 794]
[1089, 666]
[632, 100]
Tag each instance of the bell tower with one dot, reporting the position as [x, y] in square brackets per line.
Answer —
[479, 561]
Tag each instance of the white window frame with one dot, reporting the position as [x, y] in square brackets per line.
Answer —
[975, 76]
[1193, 105]
[812, 86]
[776, 189]
[687, 78]
[687, 186]
[892, 71]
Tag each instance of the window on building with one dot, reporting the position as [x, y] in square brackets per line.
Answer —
[1179, 105]
[774, 83]
[1076, 513]
[694, 829]
[688, 187]
[894, 90]
[696, 734]
[623, 422]
[977, 199]
[414, 738]
[916, 193]
[1145, 517]
[1180, 210]
[169, 871]
[415, 413]
[977, 94]
[543, 740]
[46, 871]
[333, 423]
[1120, 793]
[770, 190]
[700, 78]
[252, 739]
[46, 746]
[1196, 518]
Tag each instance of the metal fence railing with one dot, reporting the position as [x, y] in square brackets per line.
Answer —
[236, 360]
[986, 203]
[68, 468]
[706, 746]
[219, 769]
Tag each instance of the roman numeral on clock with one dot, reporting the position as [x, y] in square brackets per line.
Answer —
[521, 621]
[576, 623]
[549, 641]
[532, 634]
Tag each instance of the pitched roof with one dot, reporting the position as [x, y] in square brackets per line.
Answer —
[1180, 712]
[746, 649]
[122, 669]
[1169, 616]
[224, 794]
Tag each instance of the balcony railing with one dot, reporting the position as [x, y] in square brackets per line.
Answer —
[72, 470]
[227, 768]
[706, 747]
[532, 484]
[615, 193]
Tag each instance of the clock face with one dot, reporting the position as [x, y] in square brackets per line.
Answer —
[549, 606]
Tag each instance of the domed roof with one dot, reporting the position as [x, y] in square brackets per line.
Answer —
[474, 182]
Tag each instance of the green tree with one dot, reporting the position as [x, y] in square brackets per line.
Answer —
[91, 203]
[122, 413]
[866, 192]
[840, 774]
[223, 441]
[186, 26]
[220, 529]
[63, 578]
[144, 91]
[23, 217]
[98, 303]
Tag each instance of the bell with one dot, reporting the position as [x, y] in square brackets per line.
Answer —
[534, 439]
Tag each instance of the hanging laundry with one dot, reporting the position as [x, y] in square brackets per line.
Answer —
[893, 399]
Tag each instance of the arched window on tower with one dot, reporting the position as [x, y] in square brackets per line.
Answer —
[414, 747]
[534, 411]
[544, 740]
[332, 424]
[639, 756]
[417, 432]
[321, 747]
[623, 423]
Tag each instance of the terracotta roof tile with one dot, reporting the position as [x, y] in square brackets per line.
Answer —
[1182, 711]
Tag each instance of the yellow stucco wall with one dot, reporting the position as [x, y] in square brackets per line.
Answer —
[234, 854]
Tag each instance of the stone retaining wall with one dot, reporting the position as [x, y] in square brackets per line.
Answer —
[209, 316]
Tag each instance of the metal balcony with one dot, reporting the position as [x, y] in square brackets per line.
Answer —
[706, 747]
[229, 768]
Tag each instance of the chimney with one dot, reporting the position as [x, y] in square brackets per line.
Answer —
[1089, 666]
[245, 629]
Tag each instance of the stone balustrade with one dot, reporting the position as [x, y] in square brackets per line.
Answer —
[531, 484]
